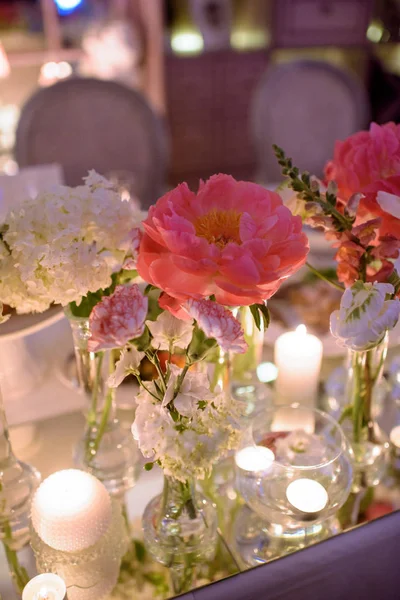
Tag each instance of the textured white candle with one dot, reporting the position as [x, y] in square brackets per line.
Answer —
[395, 436]
[254, 458]
[71, 510]
[298, 356]
[46, 586]
[307, 495]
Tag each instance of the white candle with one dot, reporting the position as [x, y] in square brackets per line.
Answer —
[254, 458]
[46, 586]
[307, 495]
[298, 356]
[395, 436]
[71, 510]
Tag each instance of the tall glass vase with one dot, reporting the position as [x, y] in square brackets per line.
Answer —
[107, 449]
[18, 482]
[369, 443]
[180, 531]
[245, 385]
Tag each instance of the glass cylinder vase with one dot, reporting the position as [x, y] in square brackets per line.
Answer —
[245, 384]
[369, 442]
[18, 482]
[107, 449]
[180, 531]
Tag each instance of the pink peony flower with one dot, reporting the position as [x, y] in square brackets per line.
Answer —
[364, 158]
[117, 318]
[219, 323]
[232, 239]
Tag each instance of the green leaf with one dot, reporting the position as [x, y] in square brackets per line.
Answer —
[258, 311]
[148, 466]
[256, 316]
[149, 287]
[140, 551]
[200, 344]
[142, 343]
[86, 305]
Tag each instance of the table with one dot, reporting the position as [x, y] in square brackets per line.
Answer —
[55, 409]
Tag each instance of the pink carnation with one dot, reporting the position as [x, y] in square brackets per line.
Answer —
[219, 323]
[364, 158]
[117, 318]
[233, 239]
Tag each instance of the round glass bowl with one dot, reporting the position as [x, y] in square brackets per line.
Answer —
[294, 472]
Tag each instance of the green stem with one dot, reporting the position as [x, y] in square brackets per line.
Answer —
[93, 445]
[153, 358]
[336, 285]
[140, 382]
[92, 416]
[221, 372]
[358, 398]
[18, 572]
[180, 380]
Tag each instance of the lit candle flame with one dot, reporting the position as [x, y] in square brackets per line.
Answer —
[43, 595]
[301, 329]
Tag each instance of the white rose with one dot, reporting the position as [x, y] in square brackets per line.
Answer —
[364, 315]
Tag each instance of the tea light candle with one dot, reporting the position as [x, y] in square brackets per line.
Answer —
[254, 458]
[395, 436]
[307, 495]
[298, 356]
[46, 586]
[71, 510]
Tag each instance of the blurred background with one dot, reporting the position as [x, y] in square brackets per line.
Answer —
[224, 79]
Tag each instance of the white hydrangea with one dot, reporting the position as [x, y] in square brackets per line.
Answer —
[210, 429]
[65, 243]
[364, 315]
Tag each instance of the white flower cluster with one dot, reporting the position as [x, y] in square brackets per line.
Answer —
[65, 243]
[206, 431]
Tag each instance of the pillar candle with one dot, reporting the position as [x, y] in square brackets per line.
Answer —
[298, 356]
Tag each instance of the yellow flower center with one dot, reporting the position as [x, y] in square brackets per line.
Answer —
[219, 227]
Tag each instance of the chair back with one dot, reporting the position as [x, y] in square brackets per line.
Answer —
[87, 124]
[304, 107]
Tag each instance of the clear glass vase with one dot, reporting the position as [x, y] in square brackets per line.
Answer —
[18, 482]
[180, 531]
[246, 387]
[369, 442]
[107, 449]
[294, 472]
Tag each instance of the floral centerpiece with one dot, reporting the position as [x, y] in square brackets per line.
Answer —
[72, 246]
[231, 244]
[359, 212]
